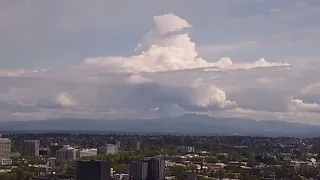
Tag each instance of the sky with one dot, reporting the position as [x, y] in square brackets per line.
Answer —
[104, 59]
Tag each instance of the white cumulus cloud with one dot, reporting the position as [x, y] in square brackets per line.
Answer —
[299, 105]
[61, 100]
[164, 77]
[66, 100]
[211, 96]
[226, 63]
[167, 47]
[169, 23]
[138, 79]
[206, 96]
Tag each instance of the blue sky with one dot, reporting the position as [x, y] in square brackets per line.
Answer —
[42, 34]
[52, 46]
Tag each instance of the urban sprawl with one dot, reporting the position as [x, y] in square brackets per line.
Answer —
[63, 156]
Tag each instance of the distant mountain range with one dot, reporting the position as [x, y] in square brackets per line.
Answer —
[186, 124]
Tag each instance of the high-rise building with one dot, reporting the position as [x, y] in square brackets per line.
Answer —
[66, 153]
[139, 170]
[53, 148]
[156, 168]
[118, 143]
[5, 148]
[5, 151]
[93, 170]
[148, 169]
[138, 145]
[30, 148]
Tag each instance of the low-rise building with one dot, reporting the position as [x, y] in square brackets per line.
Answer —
[108, 149]
[51, 163]
[5, 162]
[185, 149]
[86, 153]
[191, 176]
[121, 177]
[43, 151]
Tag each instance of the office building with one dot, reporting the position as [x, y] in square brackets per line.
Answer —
[66, 154]
[93, 170]
[156, 168]
[5, 148]
[108, 149]
[54, 148]
[85, 153]
[30, 148]
[5, 151]
[139, 170]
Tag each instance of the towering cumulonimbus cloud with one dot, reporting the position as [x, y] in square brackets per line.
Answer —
[167, 47]
[146, 83]
[169, 23]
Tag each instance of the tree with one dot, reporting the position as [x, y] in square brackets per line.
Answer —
[273, 161]
[192, 167]
[178, 171]
[27, 176]
[211, 159]
[119, 168]
[295, 177]
[251, 162]
[71, 170]
[19, 173]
